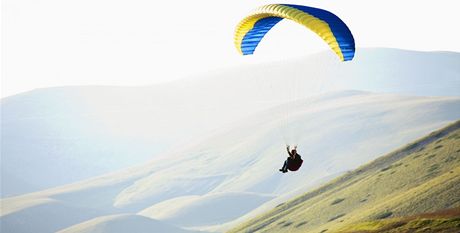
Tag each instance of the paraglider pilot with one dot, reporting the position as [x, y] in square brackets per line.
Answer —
[293, 162]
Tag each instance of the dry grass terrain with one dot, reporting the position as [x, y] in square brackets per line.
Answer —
[389, 194]
[445, 221]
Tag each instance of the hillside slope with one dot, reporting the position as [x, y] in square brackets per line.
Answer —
[239, 165]
[91, 130]
[125, 223]
[442, 221]
[423, 176]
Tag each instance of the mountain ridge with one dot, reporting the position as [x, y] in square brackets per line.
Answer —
[444, 143]
[90, 130]
[244, 158]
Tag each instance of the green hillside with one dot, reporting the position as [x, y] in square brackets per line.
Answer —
[421, 177]
[446, 221]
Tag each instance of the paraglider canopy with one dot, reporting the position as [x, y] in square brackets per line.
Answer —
[325, 24]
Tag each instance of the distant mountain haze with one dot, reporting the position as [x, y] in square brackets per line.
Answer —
[235, 169]
[81, 132]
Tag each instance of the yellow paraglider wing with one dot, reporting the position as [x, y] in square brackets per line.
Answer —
[328, 26]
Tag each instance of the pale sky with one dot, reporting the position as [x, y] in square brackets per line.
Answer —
[140, 42]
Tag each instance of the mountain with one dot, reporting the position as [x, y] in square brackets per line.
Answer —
[124, 223]
[229, 174]
[81, 132]
[404, 187]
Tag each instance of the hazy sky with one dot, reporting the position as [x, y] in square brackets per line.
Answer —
[139, 42]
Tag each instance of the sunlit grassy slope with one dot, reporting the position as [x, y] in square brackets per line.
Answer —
[421, 177]
[446, 221]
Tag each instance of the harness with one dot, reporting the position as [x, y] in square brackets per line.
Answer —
[294, 164]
